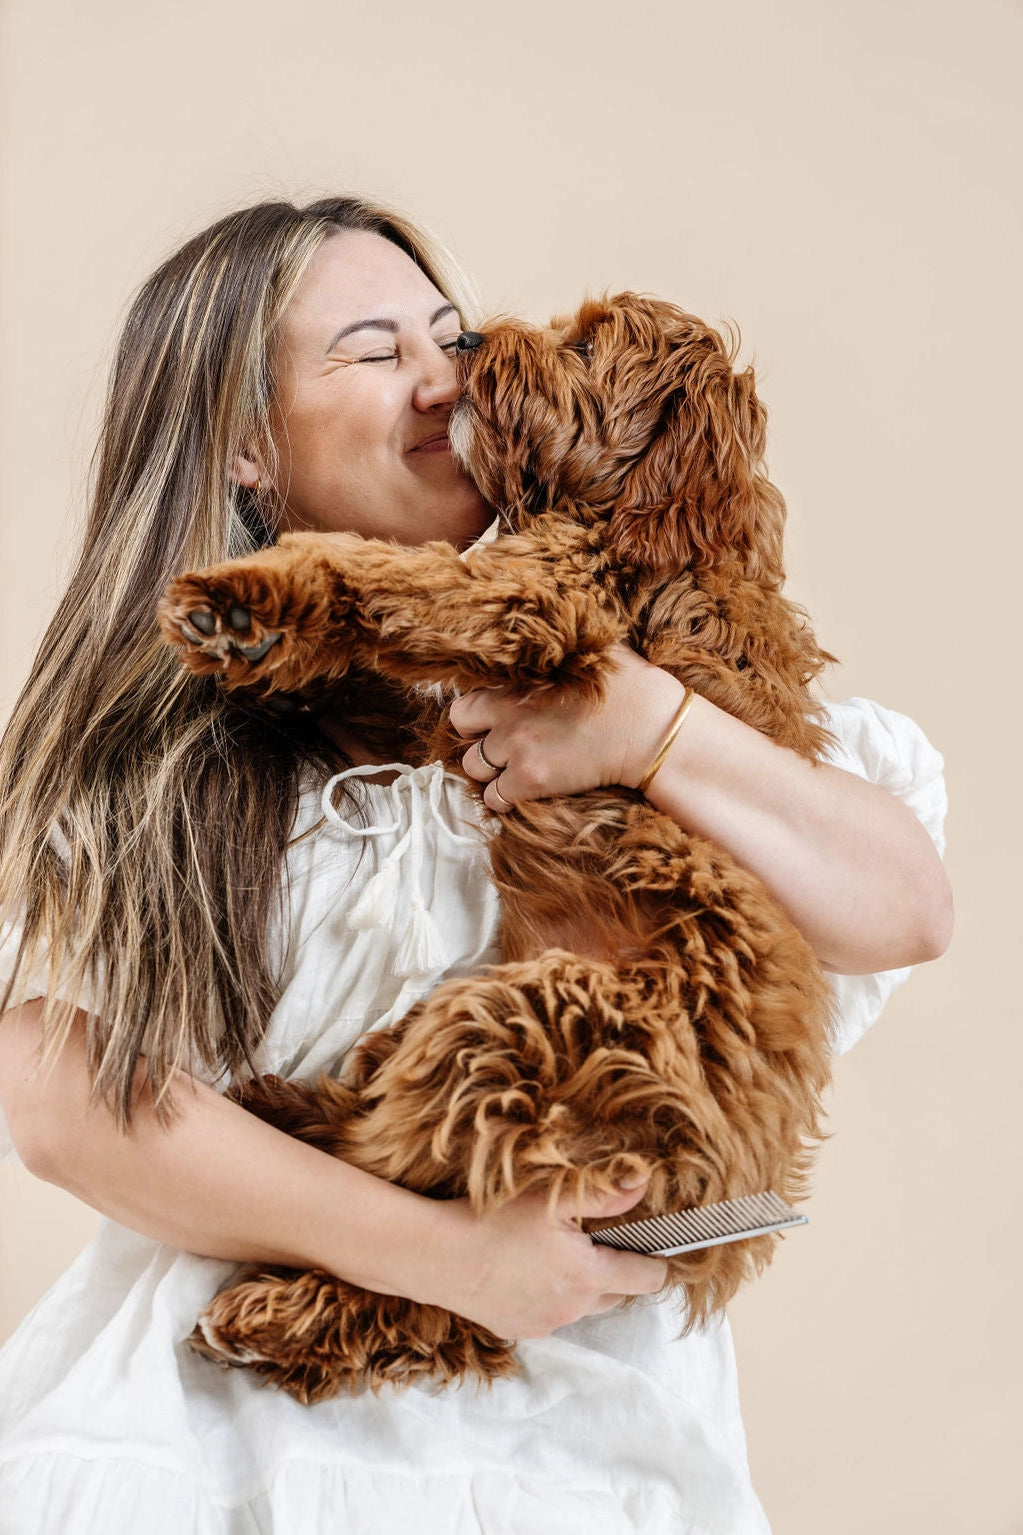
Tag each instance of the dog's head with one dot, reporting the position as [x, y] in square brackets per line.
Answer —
[629, 415]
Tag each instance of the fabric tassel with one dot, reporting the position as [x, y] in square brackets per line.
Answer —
[376, 904]
[422, 948]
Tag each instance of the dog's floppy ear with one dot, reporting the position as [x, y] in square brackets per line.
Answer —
[698, 494]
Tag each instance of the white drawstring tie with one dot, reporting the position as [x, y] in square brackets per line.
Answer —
[420, 948]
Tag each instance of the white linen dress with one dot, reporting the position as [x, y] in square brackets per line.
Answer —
[111, 1425]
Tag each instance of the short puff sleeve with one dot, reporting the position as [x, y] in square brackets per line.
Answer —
[890, 750]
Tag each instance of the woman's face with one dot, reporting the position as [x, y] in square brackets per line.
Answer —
[366, 383]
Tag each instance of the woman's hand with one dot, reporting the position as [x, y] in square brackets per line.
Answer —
[521, 1271]
[548, 743]
[854, 868]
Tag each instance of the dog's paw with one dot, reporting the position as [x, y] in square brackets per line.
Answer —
[251, 622]
[219, 1344]
[212, 627]
[268, 1320]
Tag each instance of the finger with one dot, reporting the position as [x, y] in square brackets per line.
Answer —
[599, 1206]
[493, 797]
[634, 1274]
[479, 763]
[607, 1303]
[472, 714]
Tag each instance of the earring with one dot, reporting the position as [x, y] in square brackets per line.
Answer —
[258, 487]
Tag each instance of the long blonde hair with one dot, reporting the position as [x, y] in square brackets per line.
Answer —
[143, 816]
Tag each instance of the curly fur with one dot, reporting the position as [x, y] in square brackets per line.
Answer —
[683, 1029]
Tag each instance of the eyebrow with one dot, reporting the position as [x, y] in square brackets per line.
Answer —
[382, 324]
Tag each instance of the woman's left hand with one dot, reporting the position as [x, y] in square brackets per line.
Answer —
[540, 744]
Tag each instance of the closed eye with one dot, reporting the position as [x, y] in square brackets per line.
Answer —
[449, 347]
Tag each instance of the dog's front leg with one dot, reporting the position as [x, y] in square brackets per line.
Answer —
[514, 613]
[304, 611]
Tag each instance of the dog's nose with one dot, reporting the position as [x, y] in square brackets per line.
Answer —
[468, 341]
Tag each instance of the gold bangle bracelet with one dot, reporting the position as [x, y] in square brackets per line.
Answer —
[669, 741]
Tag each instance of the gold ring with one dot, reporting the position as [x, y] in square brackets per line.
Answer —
[485, 759]
[506, 804]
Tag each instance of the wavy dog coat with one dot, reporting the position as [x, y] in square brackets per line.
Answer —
[681, 1027]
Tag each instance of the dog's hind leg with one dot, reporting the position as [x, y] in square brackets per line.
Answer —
[315, 1336]
[487, 1093]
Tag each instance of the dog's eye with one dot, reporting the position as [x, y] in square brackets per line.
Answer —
[585, 347]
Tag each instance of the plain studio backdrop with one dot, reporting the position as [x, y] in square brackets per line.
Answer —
[843, 182]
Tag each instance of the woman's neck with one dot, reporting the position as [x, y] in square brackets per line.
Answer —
[371, 720]
[354, 749]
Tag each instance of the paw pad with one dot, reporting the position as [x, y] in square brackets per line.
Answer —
[257, 652]
[202, 628]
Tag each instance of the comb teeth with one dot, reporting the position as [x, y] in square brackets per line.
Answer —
[663, 1236]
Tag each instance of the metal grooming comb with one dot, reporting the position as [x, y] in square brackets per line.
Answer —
[662, 1236]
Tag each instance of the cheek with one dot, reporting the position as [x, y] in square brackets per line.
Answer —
[327, 444]
[364, 426]
[358, 401]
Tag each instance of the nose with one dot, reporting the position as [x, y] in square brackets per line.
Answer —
[437, 384]
[468, 341]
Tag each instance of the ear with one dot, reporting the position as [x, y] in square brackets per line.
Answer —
[698, 495]
[248, 470]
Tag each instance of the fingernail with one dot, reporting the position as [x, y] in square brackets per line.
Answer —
[633, 1181]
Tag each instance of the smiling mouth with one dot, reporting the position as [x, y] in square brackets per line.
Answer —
[436, 444]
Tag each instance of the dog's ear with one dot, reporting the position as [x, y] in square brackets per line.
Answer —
[698, 494]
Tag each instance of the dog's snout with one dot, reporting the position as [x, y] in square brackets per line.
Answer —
[468, 341]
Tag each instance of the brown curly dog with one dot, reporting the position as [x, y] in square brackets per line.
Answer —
[626, 455]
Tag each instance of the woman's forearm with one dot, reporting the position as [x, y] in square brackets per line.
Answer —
[219, 1182]
[853, 867]
[215, 1180]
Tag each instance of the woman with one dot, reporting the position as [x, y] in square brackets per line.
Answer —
[292, 369]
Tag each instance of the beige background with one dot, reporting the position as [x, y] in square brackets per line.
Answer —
[843, 180]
